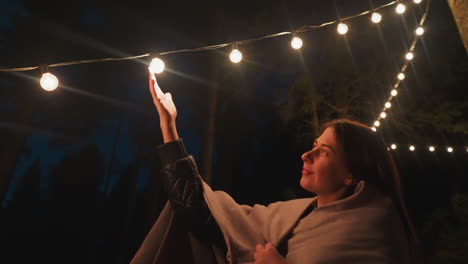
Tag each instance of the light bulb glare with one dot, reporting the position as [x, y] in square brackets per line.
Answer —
[49, 82]
[383, 115]
[388, 105]
[377, 123]
[296, 43]
[376, 17]
[412, 148]
[449, 149]
[393, 146]
[374, 129]
[431, 148]
[235, 56]
[417, 1]
[394, 92]
[409, 56]
[400, 8]
[157, 66]
[342, 28]
[401, 76]
[419, 31]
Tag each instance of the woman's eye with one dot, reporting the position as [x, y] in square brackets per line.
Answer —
[323, 152]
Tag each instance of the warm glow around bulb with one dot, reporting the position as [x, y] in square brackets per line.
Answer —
[376, 17]
[419, 31]
[157, 66]
[377, 123]
[393, 146]
[388, 105]
[49, 82]
[409, 56]
[394, 92]
[342, 28]
[235, 56]
[400, 8]
[412, 148]
[401, 76]
[383, 115]
[296, 43]
[431, 148]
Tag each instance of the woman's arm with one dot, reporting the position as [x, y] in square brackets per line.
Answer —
[166, 110]
[179, 171]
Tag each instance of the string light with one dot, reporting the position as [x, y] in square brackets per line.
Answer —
[417, 1]
[377, 123]
[236, 55]
[430, 148]
[342, 28]
[383, 115]
[157, 66]
[376, 17]
[296, 43]
[409, 56]
[49, 82]
[400, 8]
[374, 129]
[419, 31]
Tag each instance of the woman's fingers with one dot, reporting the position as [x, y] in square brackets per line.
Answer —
[155, 90]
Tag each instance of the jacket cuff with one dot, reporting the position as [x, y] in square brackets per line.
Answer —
[170, 152]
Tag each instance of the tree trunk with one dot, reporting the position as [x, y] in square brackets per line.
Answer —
[209, 128]
[460, 13]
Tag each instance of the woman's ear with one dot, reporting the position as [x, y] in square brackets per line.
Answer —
[350, 180]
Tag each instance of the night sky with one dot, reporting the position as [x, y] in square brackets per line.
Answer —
[79, 160]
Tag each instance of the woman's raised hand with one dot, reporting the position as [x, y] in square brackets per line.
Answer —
[166, 110]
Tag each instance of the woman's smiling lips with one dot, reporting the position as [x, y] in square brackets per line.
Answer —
[305, 172]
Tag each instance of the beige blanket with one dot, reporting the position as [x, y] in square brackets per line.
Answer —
[363, 228]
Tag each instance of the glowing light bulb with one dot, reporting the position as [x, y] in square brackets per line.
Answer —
[157, 66]
[393, 146]
[374, 129]
[449, 149]
[49, 82]
[419, 31]
[431, 148]
[377, 123]
[235, 56]
[296, 43]
[417, 1]
[388, 105]
[400, 8]
[394, 92]
[342, 28]
[409, 56]
[383, 115]
[376, 17]
[412, 148]
[401, 76]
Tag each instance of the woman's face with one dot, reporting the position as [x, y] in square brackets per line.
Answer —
[324, 170]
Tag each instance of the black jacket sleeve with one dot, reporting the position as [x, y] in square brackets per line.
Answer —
[185, 191]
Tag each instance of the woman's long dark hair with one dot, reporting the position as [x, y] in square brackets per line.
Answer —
[368, 159]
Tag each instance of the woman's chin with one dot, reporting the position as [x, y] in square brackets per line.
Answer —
[306, 184]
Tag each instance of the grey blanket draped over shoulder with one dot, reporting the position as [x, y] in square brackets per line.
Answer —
[362, 228]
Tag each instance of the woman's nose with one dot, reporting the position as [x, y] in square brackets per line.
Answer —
[307, 156]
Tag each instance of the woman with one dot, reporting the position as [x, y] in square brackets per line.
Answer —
[358, 215]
